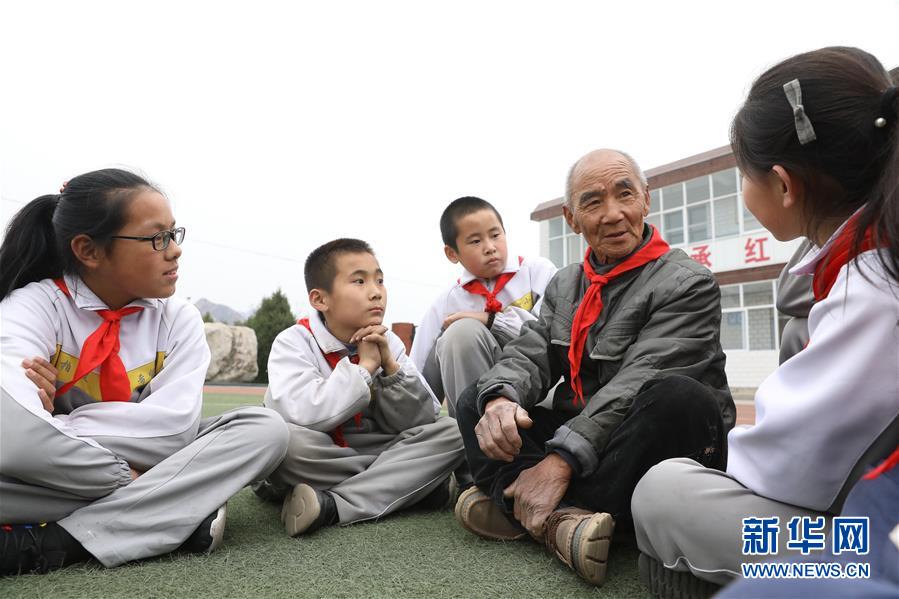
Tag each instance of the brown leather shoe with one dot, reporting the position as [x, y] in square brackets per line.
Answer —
[477, 513]
[581, 540]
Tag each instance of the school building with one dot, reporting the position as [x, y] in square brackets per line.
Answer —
[697, 204]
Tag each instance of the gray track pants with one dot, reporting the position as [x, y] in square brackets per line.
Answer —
[689, 518]
[47, 476]
[378, 473]
[463, 352]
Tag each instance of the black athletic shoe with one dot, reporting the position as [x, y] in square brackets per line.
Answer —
[38, 549]
[269, 491]
[672, 584]
[208, 535]
[442, 497]
[306, 510]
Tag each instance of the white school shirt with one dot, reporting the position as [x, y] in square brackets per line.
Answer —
[306, 391]
[521, 299]
[163, 348]
[823, 408]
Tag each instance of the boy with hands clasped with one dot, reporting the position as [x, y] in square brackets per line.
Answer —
[365, 439]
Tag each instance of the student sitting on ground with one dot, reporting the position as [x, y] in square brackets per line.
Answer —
[466, 327]
[817, 141]
[364, 437]
[116, 461]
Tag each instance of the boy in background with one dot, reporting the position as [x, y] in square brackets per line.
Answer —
[466, 327]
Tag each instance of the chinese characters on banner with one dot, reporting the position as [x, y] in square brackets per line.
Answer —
[755, 250]
[702, 255]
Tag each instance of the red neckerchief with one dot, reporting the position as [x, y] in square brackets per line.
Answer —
[101, 349]
[591, 304]
[332, 358]
[888, 464]
[477, 288]
[839, 255]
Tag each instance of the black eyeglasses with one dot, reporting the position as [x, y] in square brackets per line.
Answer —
[161, 240]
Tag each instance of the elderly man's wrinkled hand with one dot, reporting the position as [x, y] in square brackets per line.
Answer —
[497, 430]
[537, 492]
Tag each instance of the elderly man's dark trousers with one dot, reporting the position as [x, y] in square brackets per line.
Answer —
[670, 417]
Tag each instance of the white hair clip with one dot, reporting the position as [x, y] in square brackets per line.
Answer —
[804, 128]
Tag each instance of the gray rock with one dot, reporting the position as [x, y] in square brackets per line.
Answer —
[233, 353]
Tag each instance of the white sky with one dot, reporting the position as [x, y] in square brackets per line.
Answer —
[277, 126]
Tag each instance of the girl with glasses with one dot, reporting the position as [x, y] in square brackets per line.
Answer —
[103, 452]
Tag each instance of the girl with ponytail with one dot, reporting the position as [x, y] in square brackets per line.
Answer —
[817, 141]
[102, 449]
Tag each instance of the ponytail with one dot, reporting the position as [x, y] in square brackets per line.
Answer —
[29, 251]
[38, 242]
[882, 211]
[853, 161]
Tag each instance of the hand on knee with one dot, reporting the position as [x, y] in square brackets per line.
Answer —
[497, 430]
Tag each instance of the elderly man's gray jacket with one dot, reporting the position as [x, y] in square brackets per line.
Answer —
[658, 320]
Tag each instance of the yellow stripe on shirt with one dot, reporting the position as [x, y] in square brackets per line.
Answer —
[67, 364]
[525, 302]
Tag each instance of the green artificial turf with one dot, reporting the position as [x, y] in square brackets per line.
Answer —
[411, 554]
[216, 403]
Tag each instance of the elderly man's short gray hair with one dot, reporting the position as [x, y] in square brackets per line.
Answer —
[569, 182]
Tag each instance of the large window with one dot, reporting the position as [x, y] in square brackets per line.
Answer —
[749, 319]
[704, 208]
[565, 246]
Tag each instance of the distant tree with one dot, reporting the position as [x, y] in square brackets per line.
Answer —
[272, 317]
[208, 317]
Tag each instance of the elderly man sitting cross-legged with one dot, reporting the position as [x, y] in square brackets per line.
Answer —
[634, 332]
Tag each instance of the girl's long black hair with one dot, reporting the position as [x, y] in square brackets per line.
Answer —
[38, 240]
